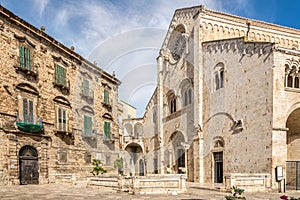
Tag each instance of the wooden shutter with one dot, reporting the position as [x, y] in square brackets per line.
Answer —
[28, 111]
[21, 56]
[106, 97]
[86, 86]
[64, 120]
[87, 125]
[31, 116]
[25, 110]
[60, 74]
[107, 130]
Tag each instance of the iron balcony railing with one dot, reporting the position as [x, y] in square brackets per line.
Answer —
[87, 92]
[29, 123]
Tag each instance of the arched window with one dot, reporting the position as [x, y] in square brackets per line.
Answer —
[172, 103]
[219, 76]
[291, 77]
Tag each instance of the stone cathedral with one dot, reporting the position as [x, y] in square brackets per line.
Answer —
[226, 107]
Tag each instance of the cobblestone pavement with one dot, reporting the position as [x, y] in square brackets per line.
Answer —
[68, 192]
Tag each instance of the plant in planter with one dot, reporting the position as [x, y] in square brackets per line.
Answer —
[98, 169]
[119, 165]
[236, 193]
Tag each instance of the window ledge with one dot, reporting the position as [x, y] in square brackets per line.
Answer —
[289, 89]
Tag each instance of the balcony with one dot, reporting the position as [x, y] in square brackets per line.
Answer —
[107, 104]
[108, 137]
[29, 71]
[30, 123]
[63, 83]
[130, 138]
[87, 93]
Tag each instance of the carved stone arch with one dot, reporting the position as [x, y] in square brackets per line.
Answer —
[272, 39]
[218, 142]
[221, 29]
[210, 26]
[242, 33]
[24, 39]
[268, 38]
[216, 27]
[85, 74]
[26, 87]
[203, 25]
[62, 100]
[88, 109]
[107, 116]
[226, 30]
[59, 59]
[237, 32]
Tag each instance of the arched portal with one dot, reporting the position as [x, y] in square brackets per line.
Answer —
[29, 167]
[293, 136]
[176, 155]
[136, 153]
[293, 151]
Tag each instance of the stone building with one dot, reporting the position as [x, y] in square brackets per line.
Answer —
[57, 109]
[226, 107]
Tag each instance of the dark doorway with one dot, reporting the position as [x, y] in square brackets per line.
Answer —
[218, 158]
[293, 175]
[142, 169]
[29, 168]
[181, 161]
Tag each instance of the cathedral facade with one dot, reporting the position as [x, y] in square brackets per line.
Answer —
[226, 107]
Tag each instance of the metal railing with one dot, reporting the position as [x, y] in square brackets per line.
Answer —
[86, 92]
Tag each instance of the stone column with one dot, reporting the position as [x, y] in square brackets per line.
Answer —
[160, 72]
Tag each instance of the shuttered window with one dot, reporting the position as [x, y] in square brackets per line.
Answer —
[60, 75]
[25, 58]
[107, 134]
[62, 119]
[86, 87]
[87, 125]
[28, 111]
[106, 97]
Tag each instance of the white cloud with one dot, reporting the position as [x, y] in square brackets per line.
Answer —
[41, 5]
[122, 36]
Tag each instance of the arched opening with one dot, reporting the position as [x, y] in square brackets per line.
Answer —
[135, 152]
[293, 151]
[127, 132]
[29, 168]
[138, 130]
[141, 167]
[176, 155]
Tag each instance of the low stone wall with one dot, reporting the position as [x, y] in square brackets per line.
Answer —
[249, 182]
[159, 184]
[151, 184]
[105, 181]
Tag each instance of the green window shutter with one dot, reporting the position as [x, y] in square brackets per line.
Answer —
[60, 75]
[29, 63]
[106, 97]
[106, 130]
[87, 125]
[86, 86]
[21, 56]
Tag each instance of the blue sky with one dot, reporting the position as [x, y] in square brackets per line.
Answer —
[125, 35]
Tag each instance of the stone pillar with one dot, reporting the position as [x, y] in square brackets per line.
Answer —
[160, 72]
[279, 154]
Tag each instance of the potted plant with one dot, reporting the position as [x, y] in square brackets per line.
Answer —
[236, 193]
[118, 164]
[98, 169]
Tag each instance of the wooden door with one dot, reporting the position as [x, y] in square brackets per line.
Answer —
[29, 170]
